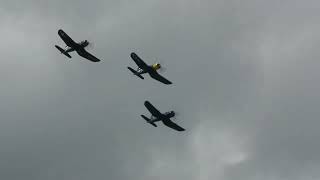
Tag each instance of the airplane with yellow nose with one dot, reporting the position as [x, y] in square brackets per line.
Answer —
[144, 68]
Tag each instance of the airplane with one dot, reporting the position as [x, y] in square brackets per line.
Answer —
[144, 68]
[73, 46]
[158, 116]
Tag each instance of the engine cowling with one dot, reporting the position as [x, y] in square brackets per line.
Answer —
[84, 43]
[156, 66]
[170, 114]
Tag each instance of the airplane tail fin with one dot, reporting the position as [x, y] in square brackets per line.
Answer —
[148, 120]
[135, 73]
[63, 51]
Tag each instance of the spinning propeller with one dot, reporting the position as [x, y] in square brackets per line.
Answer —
[163, 66]
[176, 116]
[176, 113]
[91, 45]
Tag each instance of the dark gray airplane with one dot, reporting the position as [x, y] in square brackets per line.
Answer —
[158, 116]
[73, 46]
[145, 68]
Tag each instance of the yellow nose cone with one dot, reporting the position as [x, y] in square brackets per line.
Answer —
[156, 66]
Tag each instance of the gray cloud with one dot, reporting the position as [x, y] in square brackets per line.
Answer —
[245, 86]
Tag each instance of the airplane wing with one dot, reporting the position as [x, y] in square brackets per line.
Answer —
[172, 125]
[85, 54]
[152, 109]
[138, 61]
[158, 77]
[69, 42]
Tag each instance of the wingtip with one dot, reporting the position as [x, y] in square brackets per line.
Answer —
[146, 102]
[180, 130]
[133, 55]
[167, 83]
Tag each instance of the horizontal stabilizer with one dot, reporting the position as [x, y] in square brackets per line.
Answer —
[135, 73]
[63, 51]
[148, 120]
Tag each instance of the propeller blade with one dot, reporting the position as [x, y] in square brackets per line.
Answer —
[176, 116]
[163, 66]
[91, 45]
[176, 111]
[162, 69]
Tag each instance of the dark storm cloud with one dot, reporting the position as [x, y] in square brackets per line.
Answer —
[245, 88]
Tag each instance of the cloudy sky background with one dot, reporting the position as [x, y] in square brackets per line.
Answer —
[245, 86]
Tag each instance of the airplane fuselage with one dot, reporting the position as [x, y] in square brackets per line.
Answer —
[167, 115]
[148, 69]
[79, 46]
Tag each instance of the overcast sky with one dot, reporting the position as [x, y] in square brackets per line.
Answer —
[245, 86]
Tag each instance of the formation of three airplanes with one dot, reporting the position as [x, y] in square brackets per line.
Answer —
[143, 68]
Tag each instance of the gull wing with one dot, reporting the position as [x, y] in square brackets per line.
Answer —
[172, 125]
[140, 63]
[69, 42]
[152, 109]
[85, 54]
[155, 75]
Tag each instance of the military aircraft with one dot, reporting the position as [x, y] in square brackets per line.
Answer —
[144, 68]
[158, 116]
[73, 46]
